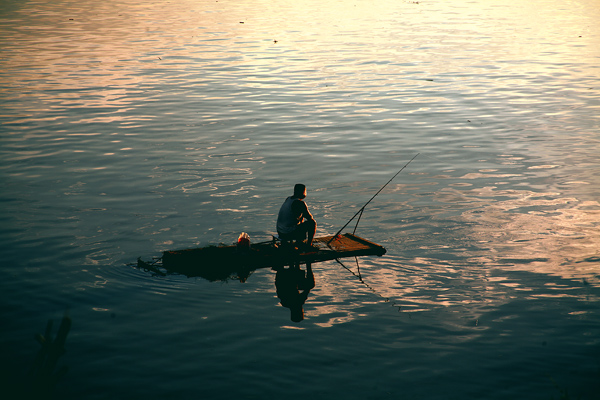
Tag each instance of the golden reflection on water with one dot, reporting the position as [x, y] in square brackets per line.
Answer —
[542, 233]
[105, 51]
[537, 232]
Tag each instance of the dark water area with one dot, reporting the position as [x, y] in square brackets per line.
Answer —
[130, 128]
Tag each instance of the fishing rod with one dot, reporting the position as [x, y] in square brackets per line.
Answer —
[367, 203]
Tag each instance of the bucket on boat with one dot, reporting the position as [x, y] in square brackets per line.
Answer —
[243, 242]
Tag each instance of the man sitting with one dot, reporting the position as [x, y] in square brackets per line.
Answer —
[295, 222]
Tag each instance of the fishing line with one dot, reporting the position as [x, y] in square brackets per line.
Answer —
[359, 277]
[371, 199]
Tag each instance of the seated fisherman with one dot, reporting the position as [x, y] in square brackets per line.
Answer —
[295, 222]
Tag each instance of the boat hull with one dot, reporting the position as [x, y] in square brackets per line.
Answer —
[224, 262]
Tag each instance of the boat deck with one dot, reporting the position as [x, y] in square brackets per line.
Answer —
[346, 245]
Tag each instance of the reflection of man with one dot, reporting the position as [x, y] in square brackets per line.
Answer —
[295, 222]
[293, 286]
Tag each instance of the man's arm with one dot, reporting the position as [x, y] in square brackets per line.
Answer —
[301, 210]
[307, 215]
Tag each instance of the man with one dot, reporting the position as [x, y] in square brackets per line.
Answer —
[295, 222]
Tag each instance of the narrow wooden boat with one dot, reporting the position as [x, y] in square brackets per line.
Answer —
[226, 262]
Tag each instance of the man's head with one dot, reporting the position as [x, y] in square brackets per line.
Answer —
[296, 313]
[299, 191]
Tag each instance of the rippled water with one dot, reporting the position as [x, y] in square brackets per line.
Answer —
[129, 128]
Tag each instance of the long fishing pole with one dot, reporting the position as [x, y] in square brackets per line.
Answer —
[367, 203]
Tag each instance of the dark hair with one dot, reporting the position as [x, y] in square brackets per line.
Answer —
[299, 190]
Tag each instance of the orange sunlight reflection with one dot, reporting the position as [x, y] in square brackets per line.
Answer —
[538, 232]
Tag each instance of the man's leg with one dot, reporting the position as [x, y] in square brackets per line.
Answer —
[307, 229]
[311, 231]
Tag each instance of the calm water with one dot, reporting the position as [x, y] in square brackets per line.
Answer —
[129, 128]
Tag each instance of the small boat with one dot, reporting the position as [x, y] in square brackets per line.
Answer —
[226, 262]
[216, 263]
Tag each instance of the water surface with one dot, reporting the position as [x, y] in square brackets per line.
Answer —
[130, 128]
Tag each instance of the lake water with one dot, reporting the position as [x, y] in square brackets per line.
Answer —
[128, 128]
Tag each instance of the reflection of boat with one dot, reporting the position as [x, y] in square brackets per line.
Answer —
[223, 262]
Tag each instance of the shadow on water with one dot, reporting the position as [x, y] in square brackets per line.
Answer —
[293, 286]
[226, 263]
[218, 263]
